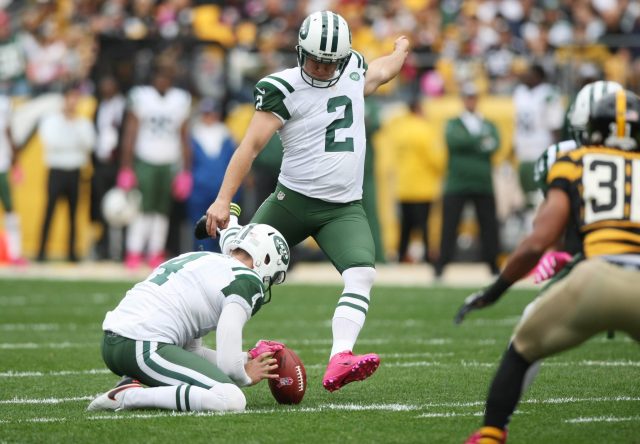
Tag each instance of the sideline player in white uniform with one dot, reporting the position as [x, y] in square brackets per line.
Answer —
[8, 158]
[155, 145]
[318, 110]
[154, 336]
[539, 117]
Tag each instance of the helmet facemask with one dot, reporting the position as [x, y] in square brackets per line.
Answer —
[324, 37]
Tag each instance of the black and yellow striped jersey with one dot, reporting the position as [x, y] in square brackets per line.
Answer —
[603, 185]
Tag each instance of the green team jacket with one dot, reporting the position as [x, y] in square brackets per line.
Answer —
[469, 166]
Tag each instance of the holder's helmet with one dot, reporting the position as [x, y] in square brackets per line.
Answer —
[268, 249]
[324, 37]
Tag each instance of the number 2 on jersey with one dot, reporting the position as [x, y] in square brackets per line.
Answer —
[330, 143]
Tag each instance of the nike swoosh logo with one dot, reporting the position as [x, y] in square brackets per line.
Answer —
[261, 91]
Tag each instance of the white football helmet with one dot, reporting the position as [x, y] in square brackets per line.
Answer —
[120, 207]
[268, 249]
[584, 105]
[324, 37]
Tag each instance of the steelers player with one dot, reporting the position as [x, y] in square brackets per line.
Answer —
[318, 110]
[595, 186]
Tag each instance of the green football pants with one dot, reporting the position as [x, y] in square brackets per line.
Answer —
[340, 229]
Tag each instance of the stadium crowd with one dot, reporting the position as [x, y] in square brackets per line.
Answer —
[218, 50]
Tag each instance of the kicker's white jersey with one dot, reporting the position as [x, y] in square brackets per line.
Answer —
[539, 111]
[183, 298]
[323, 134]
[160, 118]
[5, 147]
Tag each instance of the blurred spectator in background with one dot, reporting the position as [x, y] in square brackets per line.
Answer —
[420, 168]
[539, 118]
[45, 51]
[67, 140]
[211, 151]
[12, 59]
[155, 147]
[471, 140]
[8, 164]
[106, 158]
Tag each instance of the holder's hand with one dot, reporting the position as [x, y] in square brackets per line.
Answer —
[261, 367]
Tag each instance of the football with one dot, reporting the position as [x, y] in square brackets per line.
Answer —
[291, 384]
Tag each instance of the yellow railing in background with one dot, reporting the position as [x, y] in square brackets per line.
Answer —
[30, 196]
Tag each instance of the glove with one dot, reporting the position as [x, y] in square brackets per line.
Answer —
[126, 179]
[482, 298]
[182, 185]
[263, 346]
[549, 265]
[200, 230]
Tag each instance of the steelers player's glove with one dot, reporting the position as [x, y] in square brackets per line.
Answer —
[482, 298]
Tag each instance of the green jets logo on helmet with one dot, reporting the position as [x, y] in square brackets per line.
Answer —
[304, 29]
[283, 249]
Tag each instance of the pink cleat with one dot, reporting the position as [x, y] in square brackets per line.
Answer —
[133, 261]
[344, 368]
[155, 259]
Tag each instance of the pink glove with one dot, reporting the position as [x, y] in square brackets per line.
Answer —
[263, 346]
[549, 265]
[126, 179]
[182, 185]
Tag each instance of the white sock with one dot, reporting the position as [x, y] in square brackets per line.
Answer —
[345, 333]
[158, 237]
[183, 398]
[352, 308]
[138, 233]
[14, 238]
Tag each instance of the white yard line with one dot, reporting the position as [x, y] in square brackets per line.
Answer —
[45, 400]
[407, 364]
[34, 345]
[586, 420]
[29, 374]
[393, 407]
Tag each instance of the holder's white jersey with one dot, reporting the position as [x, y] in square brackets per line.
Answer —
[183, 298]
[5, 147]
[160, 119]
[539, 111]
[323, 134]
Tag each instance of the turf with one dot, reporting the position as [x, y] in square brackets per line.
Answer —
[430, 387]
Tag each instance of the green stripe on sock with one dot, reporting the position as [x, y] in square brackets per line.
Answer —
[354, 306]
[178, 398]
[186, 398]
[356, 296]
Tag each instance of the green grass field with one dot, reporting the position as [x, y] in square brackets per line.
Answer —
[430, 387]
